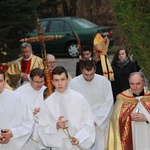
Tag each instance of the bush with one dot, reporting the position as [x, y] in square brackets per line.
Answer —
[133, 18]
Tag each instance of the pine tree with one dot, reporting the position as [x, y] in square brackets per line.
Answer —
[17, 17]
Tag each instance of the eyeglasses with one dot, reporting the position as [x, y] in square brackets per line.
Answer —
[38, 82]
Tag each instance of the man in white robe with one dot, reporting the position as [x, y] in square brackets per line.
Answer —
[34, 142]
[16, 119]
[33, 91]
[65, 119]
[98, 92]
[129, 125]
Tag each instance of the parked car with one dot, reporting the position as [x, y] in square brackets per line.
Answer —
[64, 26]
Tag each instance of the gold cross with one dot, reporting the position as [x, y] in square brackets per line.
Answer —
[42, 39]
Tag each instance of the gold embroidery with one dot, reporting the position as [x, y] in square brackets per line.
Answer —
[146, 102]
[125, 122]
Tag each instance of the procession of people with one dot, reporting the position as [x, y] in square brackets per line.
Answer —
[105, 107]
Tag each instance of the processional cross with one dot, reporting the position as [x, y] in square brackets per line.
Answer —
[42, 40]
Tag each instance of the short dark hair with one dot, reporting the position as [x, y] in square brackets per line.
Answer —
[86, 48]
[88, 65]
[37, 72]
[2, 72]
[58, 71]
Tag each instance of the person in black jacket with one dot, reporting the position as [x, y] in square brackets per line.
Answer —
[86, 54]
[103, 66]
[125, 66]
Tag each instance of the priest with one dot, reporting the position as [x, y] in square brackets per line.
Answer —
[103, 66]
[19, 71]
[129, 125]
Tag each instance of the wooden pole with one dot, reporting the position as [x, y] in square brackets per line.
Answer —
[79, 49]
[42, 40]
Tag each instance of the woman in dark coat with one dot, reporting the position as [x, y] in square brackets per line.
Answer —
[124, 65]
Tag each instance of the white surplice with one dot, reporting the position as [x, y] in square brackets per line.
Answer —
[34, 99]
[16, 115]
[141, 130]
[32, 96]
[98, 92]
[75, 108]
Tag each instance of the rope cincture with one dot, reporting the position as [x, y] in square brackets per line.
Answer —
[72, 138]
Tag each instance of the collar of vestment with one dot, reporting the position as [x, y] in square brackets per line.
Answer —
[28, 58]
[141, 94]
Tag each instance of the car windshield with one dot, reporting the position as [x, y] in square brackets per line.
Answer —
[84, 23]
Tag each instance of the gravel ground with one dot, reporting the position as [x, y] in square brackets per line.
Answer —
[70, 64]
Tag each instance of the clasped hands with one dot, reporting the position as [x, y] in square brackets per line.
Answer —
[62, 124]
[5, 136]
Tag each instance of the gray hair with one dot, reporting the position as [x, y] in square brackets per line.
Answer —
[141, 74]
[24, 45]
[50, 55]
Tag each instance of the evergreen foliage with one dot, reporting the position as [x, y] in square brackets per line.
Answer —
[17, 17]
[133, 17]
[50, 8]
[44, 8]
